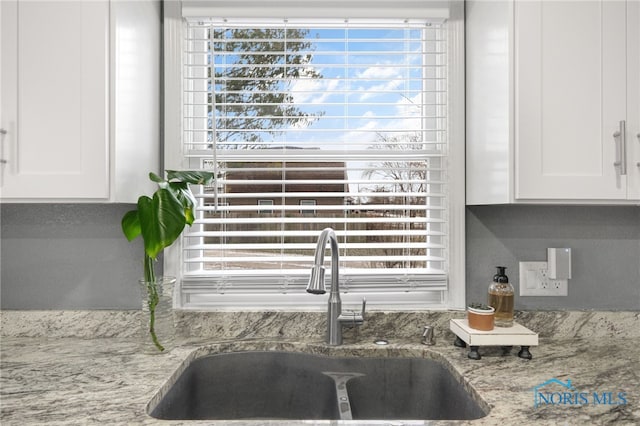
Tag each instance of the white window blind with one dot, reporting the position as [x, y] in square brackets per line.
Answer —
[310, 124]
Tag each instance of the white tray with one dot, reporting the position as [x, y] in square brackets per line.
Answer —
[500, 336]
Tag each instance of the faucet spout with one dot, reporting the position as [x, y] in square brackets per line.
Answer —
[316, 282]
[335, 318]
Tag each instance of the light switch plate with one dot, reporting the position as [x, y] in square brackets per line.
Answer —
[535, 281]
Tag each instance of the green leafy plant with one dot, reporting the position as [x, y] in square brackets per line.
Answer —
[160, 220]
[480, 306]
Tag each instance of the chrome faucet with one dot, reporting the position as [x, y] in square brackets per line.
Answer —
[335, 318]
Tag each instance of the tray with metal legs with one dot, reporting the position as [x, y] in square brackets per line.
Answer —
[505, 337]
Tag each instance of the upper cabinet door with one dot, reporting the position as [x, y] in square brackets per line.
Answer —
[55, 99]
[633, 99]
[570, 99]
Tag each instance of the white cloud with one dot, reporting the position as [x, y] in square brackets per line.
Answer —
[311, 90]
[381, 72]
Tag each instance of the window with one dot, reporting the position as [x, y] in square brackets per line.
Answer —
[341, 123]
[261, 209]
[307, 207]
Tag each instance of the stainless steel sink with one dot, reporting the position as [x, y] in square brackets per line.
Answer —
[300, 386]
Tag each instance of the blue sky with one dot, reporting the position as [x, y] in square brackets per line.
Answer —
[381, 81]
[373, 74]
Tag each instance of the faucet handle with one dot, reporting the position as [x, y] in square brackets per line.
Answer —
[353, 318]
[359, 318]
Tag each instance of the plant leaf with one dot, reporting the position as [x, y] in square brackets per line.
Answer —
[179, 182]
[162, 219]
[196, 177]
[155, 178]
[186, 197]
[131, 225]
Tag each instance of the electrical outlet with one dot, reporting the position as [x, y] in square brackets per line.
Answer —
[535, 281]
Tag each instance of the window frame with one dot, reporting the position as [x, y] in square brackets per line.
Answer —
[173, 157]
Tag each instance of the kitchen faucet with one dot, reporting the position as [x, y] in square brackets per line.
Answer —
[335, 318]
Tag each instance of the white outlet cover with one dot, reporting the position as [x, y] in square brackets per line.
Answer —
[535, 281]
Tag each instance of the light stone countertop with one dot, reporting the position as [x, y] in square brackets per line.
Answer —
[46, 378]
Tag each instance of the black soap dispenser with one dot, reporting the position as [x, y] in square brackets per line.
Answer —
[501, 298]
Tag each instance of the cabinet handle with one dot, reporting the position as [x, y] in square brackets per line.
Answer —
[621, 148]
[3, 132]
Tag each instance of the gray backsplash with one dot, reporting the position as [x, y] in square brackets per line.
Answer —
[68, 256]
[73, 256]
[605, 243]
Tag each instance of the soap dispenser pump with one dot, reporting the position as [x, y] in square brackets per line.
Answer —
[501, 298]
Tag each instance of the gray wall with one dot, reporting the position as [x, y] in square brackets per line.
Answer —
[72, 256]
[605, 243]
[67, 256]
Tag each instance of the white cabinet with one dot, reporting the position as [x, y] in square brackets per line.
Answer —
[80, 88]
[633, 101]
[55, 69]
[549, 84]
